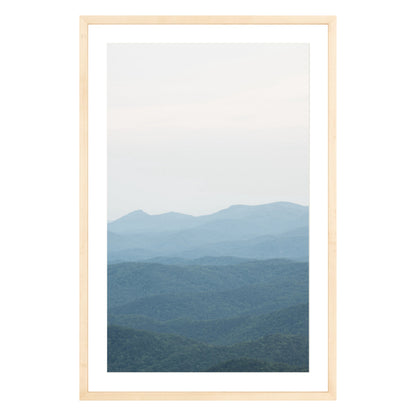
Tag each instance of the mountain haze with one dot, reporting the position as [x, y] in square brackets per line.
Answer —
[265, 231]
[281, 216]
[225, 292]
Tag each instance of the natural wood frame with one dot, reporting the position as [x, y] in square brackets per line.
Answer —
[85, 21]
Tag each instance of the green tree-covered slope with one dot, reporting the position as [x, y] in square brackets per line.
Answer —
[127, 282]
[132, 350]
[293, 320]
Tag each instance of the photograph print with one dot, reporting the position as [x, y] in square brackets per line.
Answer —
[208, 207]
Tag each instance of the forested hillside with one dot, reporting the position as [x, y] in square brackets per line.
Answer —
[133, 350]
[228, 292]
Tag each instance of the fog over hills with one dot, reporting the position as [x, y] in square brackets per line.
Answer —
[283, 214]
[227, 291]
[273, 230]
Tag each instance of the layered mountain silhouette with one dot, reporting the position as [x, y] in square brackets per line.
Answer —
[276, 230]
[226, 292]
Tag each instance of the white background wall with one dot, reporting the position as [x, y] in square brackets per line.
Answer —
[39, 208]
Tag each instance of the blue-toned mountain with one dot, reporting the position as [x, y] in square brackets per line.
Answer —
[275, 230]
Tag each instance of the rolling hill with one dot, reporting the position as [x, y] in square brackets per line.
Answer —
[129, 282]
[249, 300]
[222, 292]
[264, 231]
[292, 320]
[142, 351]
[281, 216]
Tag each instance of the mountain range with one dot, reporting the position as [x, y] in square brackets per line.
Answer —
[226, 292]
[267, 231]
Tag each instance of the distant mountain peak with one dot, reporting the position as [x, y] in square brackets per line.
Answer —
[172, 214]
[138, 211]
[235, 207]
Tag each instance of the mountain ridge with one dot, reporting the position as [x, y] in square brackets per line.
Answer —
[128, 282]
[291, 320]
[139, 221]
[231, 207]
[279, 229]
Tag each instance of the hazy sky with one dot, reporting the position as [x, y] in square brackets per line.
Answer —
[194, 128]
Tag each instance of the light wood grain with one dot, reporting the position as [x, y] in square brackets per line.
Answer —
[330, 21]
[332, 200]
[207, 395]
[208, 20]
[83, 207]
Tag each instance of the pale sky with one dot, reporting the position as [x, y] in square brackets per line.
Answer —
[195, 128]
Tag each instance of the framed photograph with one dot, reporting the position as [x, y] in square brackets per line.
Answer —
[207, 208]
